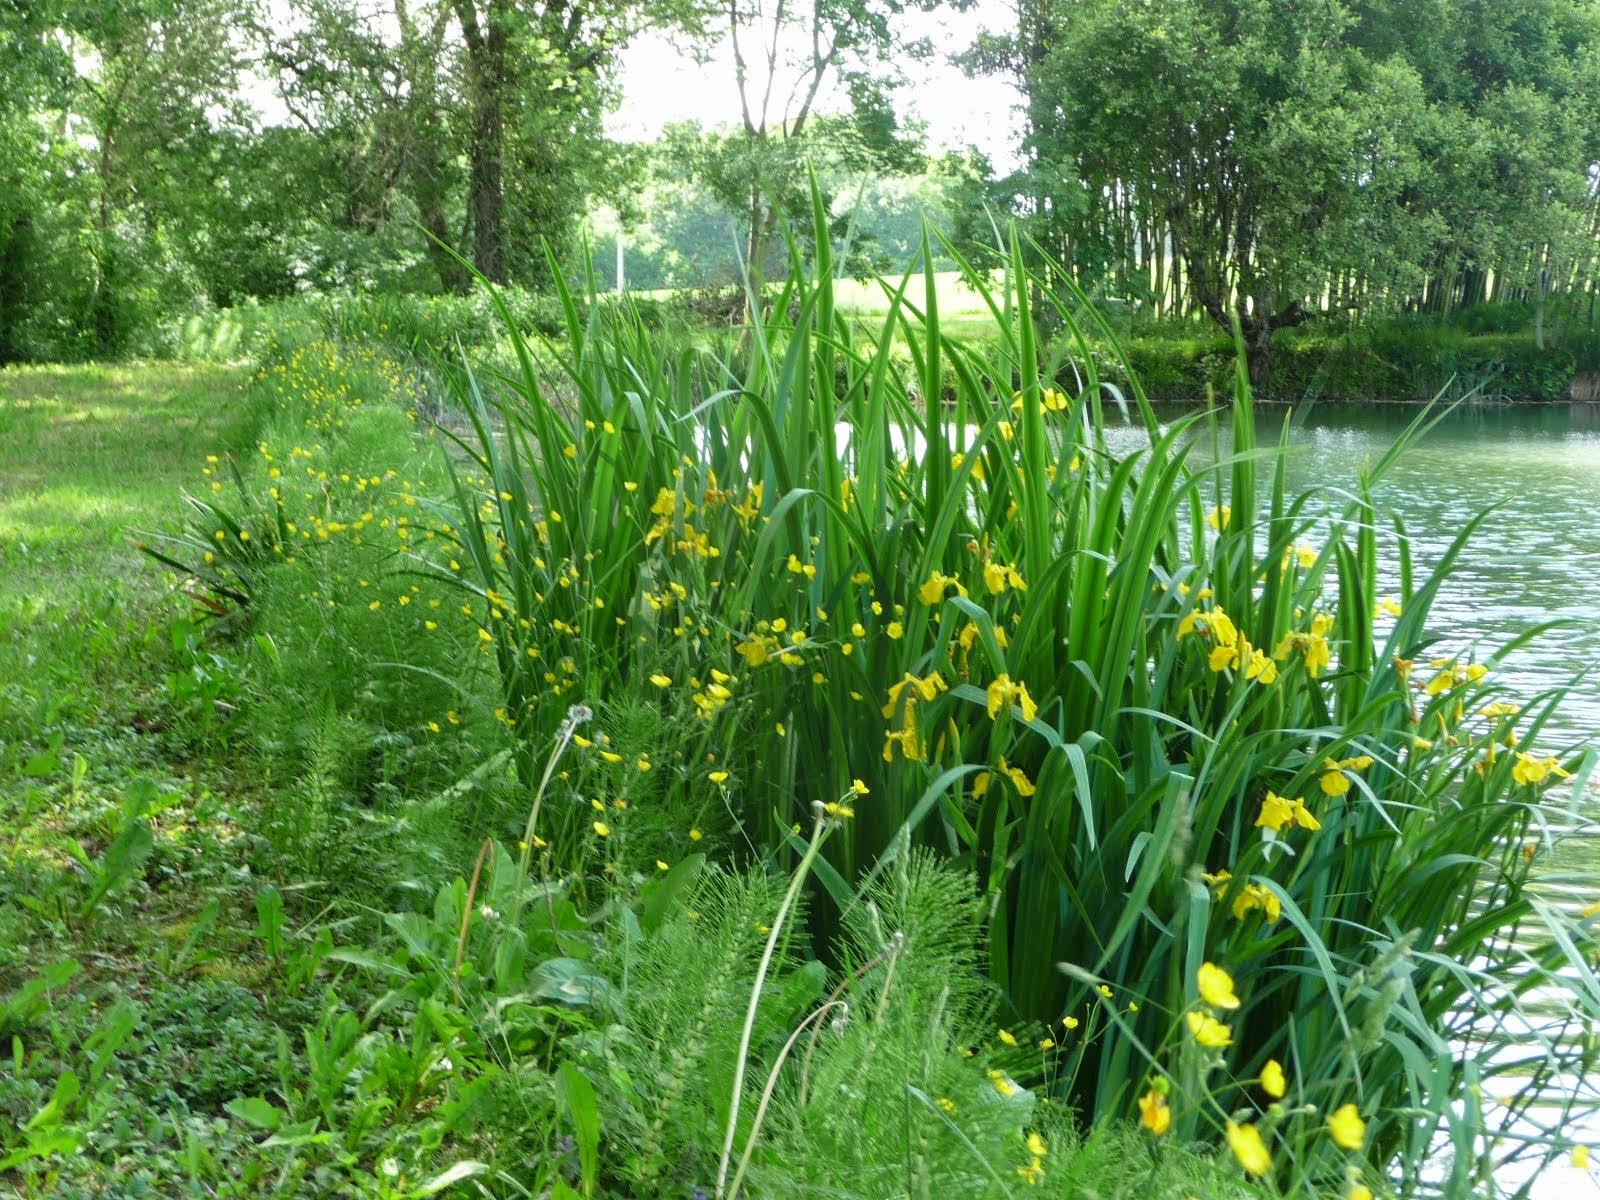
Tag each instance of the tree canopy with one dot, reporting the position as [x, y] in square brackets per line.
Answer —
[1247, 160]
[1256, 160]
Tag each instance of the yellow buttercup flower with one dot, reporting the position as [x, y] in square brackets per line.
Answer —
[661, 681]
[601, 829]
[1154, 1114]
[1208, 1031]
[1216, 986]
[1272, 1080]
[1247, 1146]
[1347, 1128]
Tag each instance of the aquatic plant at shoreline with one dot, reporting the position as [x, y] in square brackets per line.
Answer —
[1157, 707]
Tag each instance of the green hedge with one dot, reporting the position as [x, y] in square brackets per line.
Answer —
[1385, 362]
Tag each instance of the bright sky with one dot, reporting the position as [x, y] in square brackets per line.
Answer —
[662, 85]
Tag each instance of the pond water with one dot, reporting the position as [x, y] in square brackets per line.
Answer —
[1538, 556]
[1536, 559]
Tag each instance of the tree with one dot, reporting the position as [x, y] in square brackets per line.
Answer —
[35, 73]
[786, 58]
[110, 123]
[514, 89]
[1258, 161]
[378, 95]
[164, 76]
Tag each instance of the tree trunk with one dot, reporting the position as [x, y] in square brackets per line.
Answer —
[1257, 329]
[486, 82]
[14, 255]
[102, 314]
[1258, 354]
[488, 195]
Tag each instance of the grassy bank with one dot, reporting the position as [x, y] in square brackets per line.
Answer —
[1494, 355]
[118, 797]
[1411, 364]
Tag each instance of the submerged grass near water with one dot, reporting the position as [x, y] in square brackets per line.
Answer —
[1115, 814]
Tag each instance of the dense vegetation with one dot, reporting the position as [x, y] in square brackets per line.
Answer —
[1263, 162]
[622, 774]
[490, 732]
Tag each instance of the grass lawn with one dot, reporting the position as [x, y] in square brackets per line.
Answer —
[89, 454]
[94, 724]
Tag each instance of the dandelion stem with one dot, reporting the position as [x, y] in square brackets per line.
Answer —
[818, 830]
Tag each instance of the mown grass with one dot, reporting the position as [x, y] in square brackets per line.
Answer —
[87, 456]
[95, 725]
[88, 453]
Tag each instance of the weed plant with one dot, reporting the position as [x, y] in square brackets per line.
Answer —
[302, 553]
